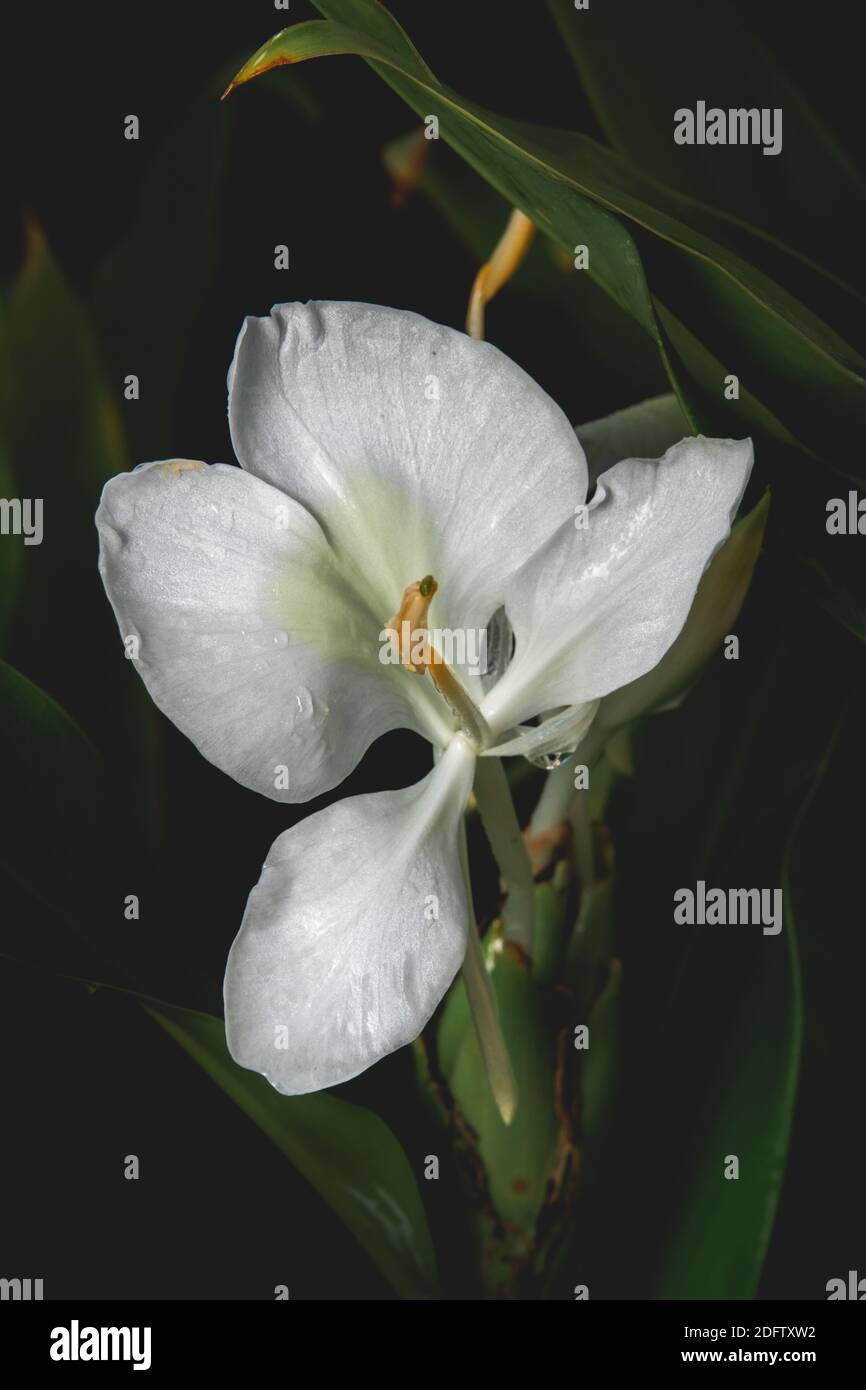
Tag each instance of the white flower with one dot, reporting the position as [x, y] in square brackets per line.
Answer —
[379, 450]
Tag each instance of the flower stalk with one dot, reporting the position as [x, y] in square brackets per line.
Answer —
[499, 818]
[482, 1005]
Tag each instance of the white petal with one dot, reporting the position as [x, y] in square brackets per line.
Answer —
[420, 450]
[250, 637]
[716, 607]
[597, 607]
[643, 431]
[353, 933]
[560, 733]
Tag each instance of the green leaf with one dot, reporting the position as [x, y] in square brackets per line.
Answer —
[600, 1063]
[637, 72]
[570, 187]
[54, 780]
[518, 1157]
[477, 214]
[591, 946]
[719, 1245]
[481, 139]
[554, 906]
[594, 324]
[645, 431]
[836, 599]
[64, 419]
[594, 976]
[347, 1153]
[147, 294]
[752, 1118]
[64, 434]
[65, 440]
[704, 376]
[10, 546]
[716, 1013]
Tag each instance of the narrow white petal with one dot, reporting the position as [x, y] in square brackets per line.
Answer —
[353, 933]
[595, 608]
[643, 431]
[246, 631]
[559, 733]
[420, 450]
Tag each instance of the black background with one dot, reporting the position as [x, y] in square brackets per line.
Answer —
[217, 1212]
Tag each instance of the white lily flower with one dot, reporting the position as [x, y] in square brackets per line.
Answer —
[391, 469]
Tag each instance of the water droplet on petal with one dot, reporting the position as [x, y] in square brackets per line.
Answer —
[281, 639]
[307, 713]
[548, 761]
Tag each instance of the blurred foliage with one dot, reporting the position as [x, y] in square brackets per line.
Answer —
[612, 1173]
[346, 1152]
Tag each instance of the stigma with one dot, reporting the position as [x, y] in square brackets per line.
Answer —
[408, 627]
[410, 637]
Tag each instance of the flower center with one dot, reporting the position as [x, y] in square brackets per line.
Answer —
[410, 637]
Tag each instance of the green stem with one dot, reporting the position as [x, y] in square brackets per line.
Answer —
[561, 802]
[554, 803]
[482, 1003]
[582, 848]
[502, 828]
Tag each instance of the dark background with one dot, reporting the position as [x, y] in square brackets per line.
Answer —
[87, 1079]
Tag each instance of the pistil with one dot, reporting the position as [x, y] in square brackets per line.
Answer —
[411, 638]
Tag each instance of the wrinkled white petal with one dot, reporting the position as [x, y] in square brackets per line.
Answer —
[560, 733]
[248, 634]
[353, 933]
[595, 608]
[642, 431]
[420, 450]
[713, 614]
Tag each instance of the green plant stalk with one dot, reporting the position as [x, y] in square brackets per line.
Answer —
[502, 828]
